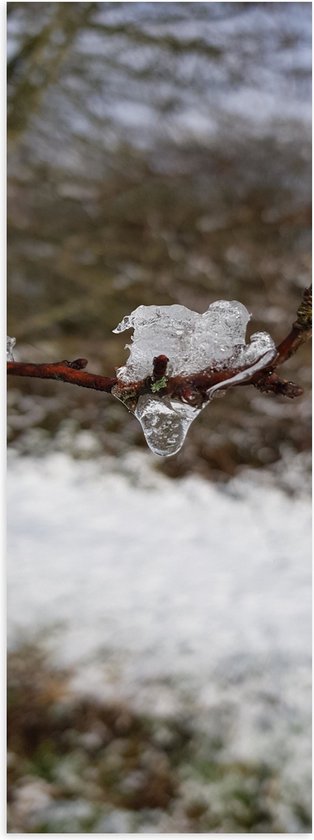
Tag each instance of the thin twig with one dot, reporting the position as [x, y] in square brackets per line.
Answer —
[192, 388]
[65, 371]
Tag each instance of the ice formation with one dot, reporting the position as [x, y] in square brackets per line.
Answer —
[165, 422]
[192, 342]
[11, 342]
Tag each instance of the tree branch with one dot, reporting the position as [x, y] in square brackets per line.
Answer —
[192, 388]
[64, 371]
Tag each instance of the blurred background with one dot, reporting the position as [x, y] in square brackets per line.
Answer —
[159, 609]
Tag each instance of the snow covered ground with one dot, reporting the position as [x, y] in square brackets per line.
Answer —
[170, 592]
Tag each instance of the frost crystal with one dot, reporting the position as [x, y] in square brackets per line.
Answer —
[192, 342]
[11, 342]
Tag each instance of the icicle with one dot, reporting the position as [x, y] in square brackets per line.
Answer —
[165, 423]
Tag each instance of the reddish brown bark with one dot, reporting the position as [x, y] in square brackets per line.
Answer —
[192, 388]
[65, 371]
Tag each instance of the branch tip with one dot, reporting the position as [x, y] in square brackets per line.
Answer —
[159, 367]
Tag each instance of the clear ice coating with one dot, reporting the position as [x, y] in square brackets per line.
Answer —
[165, 422]
[192, 341]
[11, 342]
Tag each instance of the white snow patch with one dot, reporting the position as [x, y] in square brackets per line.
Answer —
[146, 584]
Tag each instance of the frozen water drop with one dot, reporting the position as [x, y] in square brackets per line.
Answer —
[11, 342]
[165, 423]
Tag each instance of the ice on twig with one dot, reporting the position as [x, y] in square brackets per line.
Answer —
[193, 342]
[11, 342]
[165, 422]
